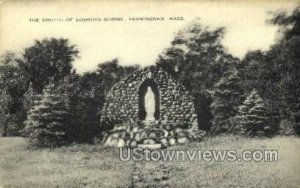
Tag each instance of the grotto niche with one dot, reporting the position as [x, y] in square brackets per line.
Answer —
[148, 88]
[126, 108]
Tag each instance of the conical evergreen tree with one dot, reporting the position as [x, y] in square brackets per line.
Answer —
[252, 116]
[48, 120]
[225, 100]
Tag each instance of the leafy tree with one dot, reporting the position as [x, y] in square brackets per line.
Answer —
[199, 60]
[252, 117]
[94, 87]
[84, 96]
[48, 60]
[4, 105]
[110, 72]
[275, 73]
[84, 108]
[12, 86]
[252, 70]
[197, 54]
[285, 64]
[290, 22]
[12, 80]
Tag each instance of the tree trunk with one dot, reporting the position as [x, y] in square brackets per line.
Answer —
[5, 126]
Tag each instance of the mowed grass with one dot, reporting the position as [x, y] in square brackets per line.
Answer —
[284, 173]
[98, 166]
[72, 166]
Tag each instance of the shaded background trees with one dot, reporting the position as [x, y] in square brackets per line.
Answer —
[226, 97]
[221, 82]
[49, 59]
[199, 60]
[23, 81]
[85, 95]
[12, 87]
[94, 87]
[275, 73]
[44, 61]
[285, 58]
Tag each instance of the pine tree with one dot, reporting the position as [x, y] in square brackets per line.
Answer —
[252, 116]
[225, 100]
[48, 120]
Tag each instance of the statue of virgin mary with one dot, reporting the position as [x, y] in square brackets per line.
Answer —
[149, 105]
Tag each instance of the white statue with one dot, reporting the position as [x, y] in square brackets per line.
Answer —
[149, 105]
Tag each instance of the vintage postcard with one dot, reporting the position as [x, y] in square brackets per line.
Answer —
[149, 93]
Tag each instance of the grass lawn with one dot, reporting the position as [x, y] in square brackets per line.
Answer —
[98, 166]
[284, 173]
[72, 166]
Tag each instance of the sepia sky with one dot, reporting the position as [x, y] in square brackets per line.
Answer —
[134, 42]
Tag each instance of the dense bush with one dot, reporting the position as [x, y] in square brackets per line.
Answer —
[286, 128]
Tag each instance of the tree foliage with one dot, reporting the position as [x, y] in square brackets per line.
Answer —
[45, 61]
[100, 82]
[197, 54]
[226, 97]
[251, 117]
[285, 62]
[199, 60]
[12, 82]
[12, 86]
[48, 122]
[48, 60]
[290, 22]
[275, 73]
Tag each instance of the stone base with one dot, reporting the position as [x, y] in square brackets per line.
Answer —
[154, 135]
[148, 122]
[150, 146]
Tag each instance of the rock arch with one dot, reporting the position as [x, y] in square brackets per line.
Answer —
[174, 101]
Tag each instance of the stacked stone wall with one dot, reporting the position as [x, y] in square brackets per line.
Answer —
[154, 135]
[176, 104]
